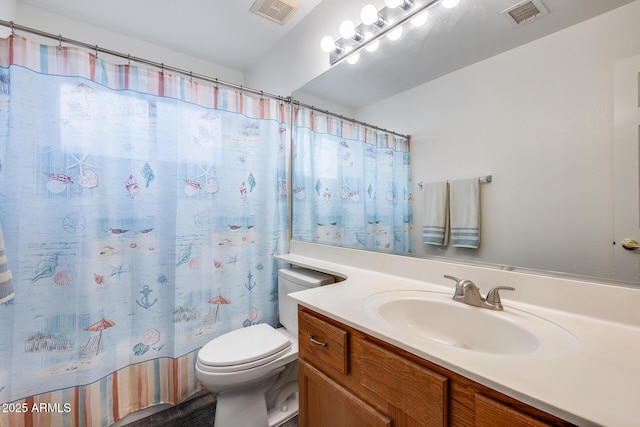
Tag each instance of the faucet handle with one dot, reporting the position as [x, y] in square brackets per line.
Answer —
[446, 276]
[459, 286]
[493, 296]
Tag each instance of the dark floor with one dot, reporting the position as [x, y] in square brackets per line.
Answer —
[196, 412]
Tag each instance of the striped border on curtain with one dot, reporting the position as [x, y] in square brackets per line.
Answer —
[325, 123]
[128, 390]
[16, 50]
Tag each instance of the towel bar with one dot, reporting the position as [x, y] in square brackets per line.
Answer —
[483, 179]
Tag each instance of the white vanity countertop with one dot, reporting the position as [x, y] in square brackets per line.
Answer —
[597, 385]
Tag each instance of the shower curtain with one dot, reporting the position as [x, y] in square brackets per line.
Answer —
[141, 212]
[351, 184]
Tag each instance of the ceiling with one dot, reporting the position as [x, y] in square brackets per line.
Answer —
[228, 34]
[231, 36]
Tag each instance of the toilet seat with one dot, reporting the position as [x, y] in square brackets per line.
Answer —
[243, 349]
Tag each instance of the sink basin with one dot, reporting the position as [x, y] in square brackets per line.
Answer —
[438, 318]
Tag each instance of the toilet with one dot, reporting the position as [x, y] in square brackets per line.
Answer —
[253, 371]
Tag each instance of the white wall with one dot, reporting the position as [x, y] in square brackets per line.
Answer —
[539, 118]
[7, 13]
[297, 58]
[43, 20]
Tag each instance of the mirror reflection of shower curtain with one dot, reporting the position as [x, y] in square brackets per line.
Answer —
[142, 211]
[351, 184]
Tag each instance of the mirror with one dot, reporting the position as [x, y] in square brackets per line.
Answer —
[532, 106]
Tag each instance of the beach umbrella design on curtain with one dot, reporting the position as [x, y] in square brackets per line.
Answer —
[99, 326]
[212, 316]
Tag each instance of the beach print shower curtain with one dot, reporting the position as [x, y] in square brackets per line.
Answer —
[141, 212]
[351, 184]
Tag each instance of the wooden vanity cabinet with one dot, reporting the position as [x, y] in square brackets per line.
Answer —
[324, 372]
[348, 378]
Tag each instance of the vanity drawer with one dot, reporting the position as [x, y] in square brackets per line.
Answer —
[323, 344]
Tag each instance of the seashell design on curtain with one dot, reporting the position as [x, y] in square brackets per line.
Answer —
[351, 184]
[141, 212]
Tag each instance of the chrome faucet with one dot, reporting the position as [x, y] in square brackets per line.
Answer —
[468, 293]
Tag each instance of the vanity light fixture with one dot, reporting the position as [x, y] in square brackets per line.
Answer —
[348, 31]
[420, 19]
[395, 34]
[371, 47]
[328, 45]
[375, 24]
[369, 16]
[403, 4]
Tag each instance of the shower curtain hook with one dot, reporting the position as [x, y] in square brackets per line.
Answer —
[59, 41]
[13, 30]
[129, 59]
[96, 51]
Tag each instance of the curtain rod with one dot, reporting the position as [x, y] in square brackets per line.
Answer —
[162, 66]
[13, 26]
[482, 179]
[340, 116]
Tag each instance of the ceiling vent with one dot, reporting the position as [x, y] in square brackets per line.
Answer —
[275, 10]
[525, 12]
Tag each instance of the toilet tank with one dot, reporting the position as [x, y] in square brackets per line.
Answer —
[294, 280]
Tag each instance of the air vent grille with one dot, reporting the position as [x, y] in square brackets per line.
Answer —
[525, 12]
[275, 10]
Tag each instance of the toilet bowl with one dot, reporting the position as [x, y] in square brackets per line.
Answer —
[242, 367]
[253, 371]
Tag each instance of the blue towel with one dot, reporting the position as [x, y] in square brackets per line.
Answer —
[465, 213]
[435, 216]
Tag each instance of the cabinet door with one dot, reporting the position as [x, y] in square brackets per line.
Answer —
[411, 389]
[324, 403]
[491, 413]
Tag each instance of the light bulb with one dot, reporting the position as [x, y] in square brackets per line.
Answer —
[395, 34]
[450, 3]
[347, 29]
[369, 15]
[421, 19]
[393, 3]
[353, 58]
[327, 44]
[372, 47]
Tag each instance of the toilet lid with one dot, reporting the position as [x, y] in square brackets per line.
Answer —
[244, 346]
